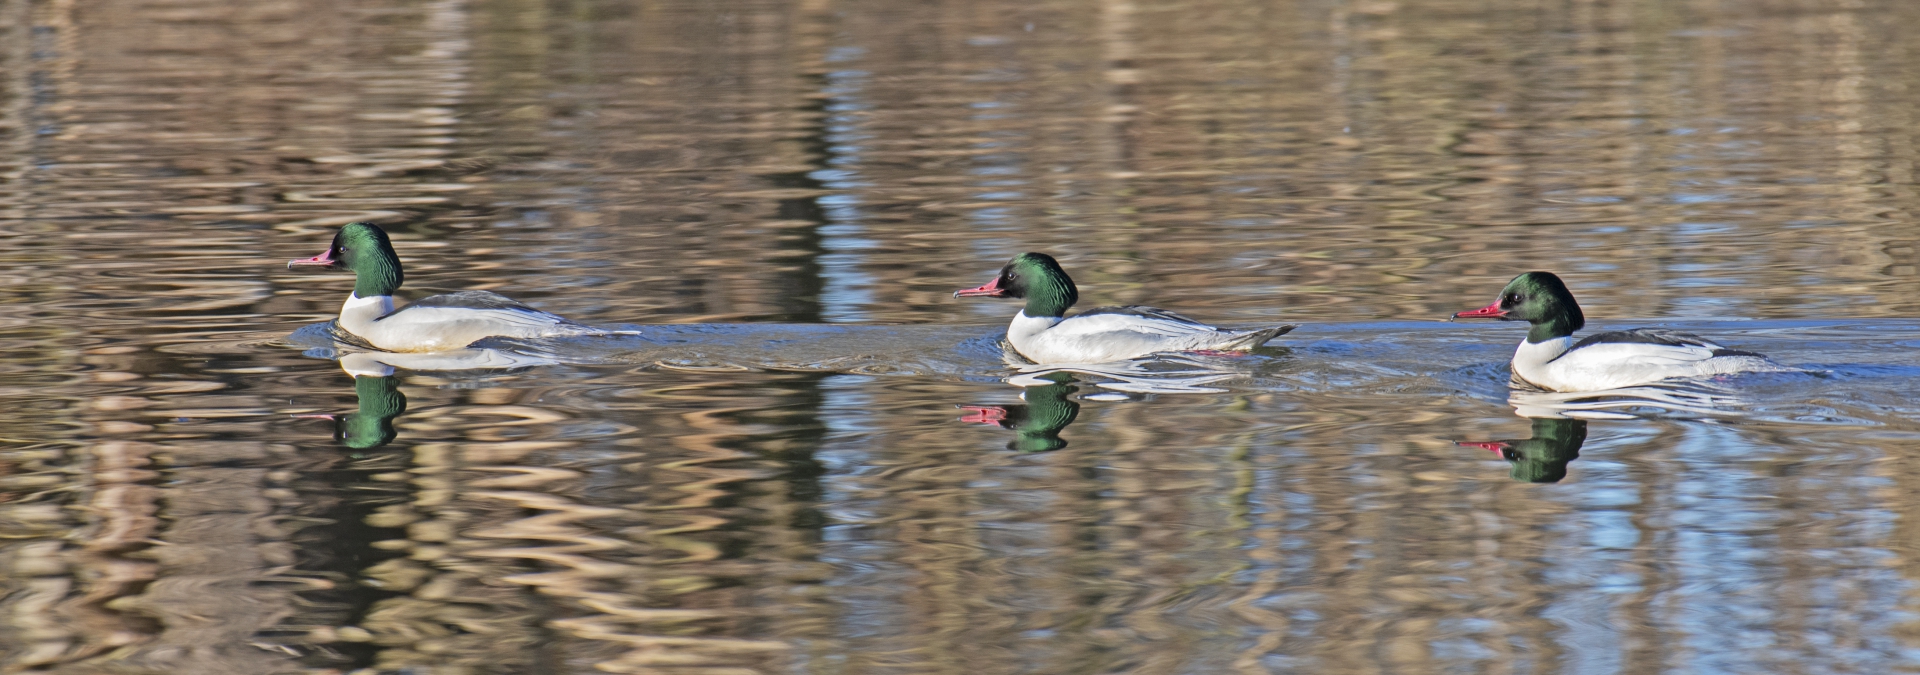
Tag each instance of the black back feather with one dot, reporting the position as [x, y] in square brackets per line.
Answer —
[1646, 336]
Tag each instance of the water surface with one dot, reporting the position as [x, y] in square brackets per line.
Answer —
[824, 468]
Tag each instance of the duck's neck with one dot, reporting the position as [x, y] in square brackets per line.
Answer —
[377, 275]
[1026, 326]
[1561, 325]
[358, 313]
[1050, 297]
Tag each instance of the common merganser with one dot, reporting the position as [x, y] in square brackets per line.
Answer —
[434, 323]
[1101, 334]
[1550, 359]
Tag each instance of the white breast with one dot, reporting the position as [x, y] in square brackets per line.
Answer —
[1025, 329]
[357, 304]
[1531, 359]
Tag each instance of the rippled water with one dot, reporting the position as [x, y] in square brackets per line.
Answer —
[827, 465]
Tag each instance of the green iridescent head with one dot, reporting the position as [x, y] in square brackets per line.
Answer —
[364, 249]
[1035, 277]
[1538, 298]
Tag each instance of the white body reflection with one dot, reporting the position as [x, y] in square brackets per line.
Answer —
[1160, 374]
[378, 392]
[1694, 398]
[382, 364]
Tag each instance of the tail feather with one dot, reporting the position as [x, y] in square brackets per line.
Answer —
[1256, 338]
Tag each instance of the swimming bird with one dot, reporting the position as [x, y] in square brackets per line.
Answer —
[1043, 334]
[435, 323]
[1549, 358]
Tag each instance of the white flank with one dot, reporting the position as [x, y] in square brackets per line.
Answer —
[1611, 365]
[440, 328]
[1103, 338]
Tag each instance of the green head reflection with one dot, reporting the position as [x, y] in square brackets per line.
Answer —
[1544, 457]
[1036, 425]
[372, 425]
[380, 399]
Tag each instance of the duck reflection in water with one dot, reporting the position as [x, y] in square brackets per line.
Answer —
[1544, 457]
[379, 390]
[380, 401]
[1036, 425]
[372, 425]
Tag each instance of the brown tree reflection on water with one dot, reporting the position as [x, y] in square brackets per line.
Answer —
[853, 161]
[629, 544]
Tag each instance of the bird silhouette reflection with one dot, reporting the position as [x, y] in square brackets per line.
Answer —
[1036, 425]
[1543, 458]
[372, 425]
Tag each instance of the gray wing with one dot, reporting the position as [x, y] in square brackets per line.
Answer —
[497, 306]
[1141, 311]
[469, 300]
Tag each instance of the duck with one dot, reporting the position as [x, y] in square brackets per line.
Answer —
[431, 324]
[1550, 359]
[1042, 332]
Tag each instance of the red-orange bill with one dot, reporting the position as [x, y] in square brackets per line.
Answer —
[323, 260]
[1492, 311]
[991, 290]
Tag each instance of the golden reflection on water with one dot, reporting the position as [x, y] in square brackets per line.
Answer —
[837, 161]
